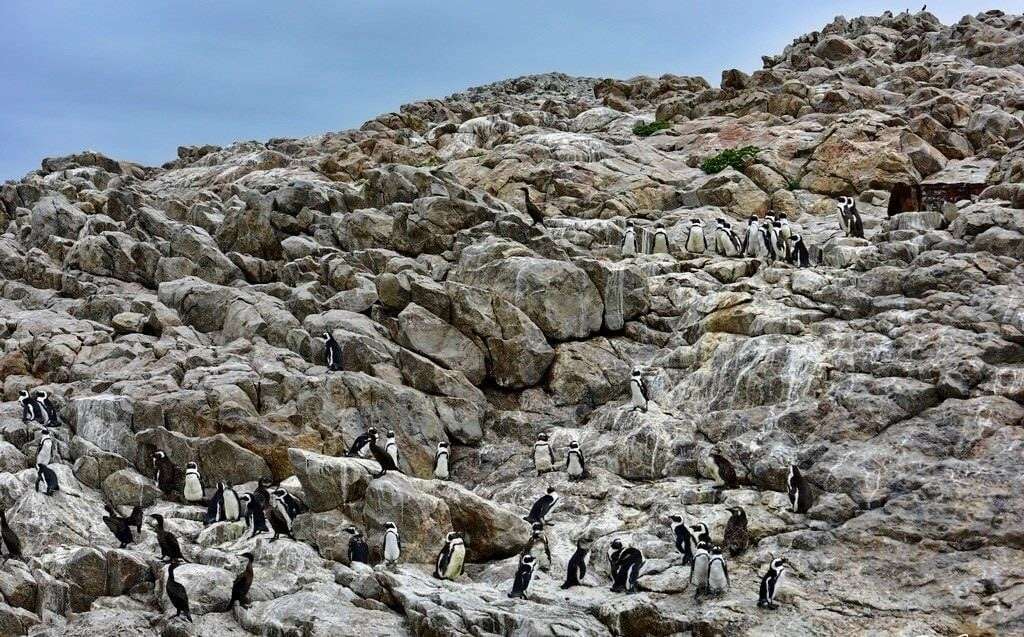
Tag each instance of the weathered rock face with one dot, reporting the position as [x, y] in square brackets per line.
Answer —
[182, 308]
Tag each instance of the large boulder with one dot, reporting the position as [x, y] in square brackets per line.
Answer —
[439, 341]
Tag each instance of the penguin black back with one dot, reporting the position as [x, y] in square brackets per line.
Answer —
[46, 476]
[577, 568]
[10, 538]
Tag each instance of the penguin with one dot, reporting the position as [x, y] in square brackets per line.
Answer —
[750, 237]
[695, 243]
[767, 251]
[358, 550]
[43, 400]
[240, 587]
[383, 458]
[10, 539]
[542, 507]
[361, 445]
[574, 463]
[699, 568]
[799, 491]
[629, 241]
[192, 489]
[523, 578]
[699, 532]
[787, 230]
[392, 547]
[166, 472]
[30, 410]
[531, 209]
[292, 504]
[48, 452]
[770, 583]
[781, 242]
[332, 350]
[119, 526]
[798, 254]
[46, 476]
[638, 391]
[254, 516]
[727, 244]
[735, 537]
[215, 506]
[850, 218]
[537, 546]
[683, 539]
[391, 446]
[543, 455]
[718, 572]
[441, 461]
[627, 563]
[280, 521]
[261, 495]
[660, 244]
[452, 557]
[577, 567]
[722, 471]
[177, 594]
[170, 550]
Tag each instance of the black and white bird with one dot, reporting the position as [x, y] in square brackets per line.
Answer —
[11, 541]
[52, 417]
[736, 538]
[751, 237]
[166, 473]
[524, 577]
[727, 244]
[850, 218]
[543, 454]
[575, 465]
[770, 583]
[722, 471]
[383, 458]
[361, 445]
[46, 477]
[358, 549]
[699, 532]
[638, 391]
[538, 547]
[452, 557]
[718, 572]
[177, 594]
[695, 242]
[629, 240]
[119, 526]
[660, 243]
[292, 504]
[531, 208]
[332, 351]
[699, 568]
[683, 539]
[192, 489]
[392, 546]
[800, 495]
[31, 411]
[787, 230]
[243, 582]
[442, 459]
[798, 253]
[255, 518]
[280, 520]
[626, 564]
[542, 507]
[391, 446]
[49, 452]
[576, 570]
[170, 550]
[225, 505]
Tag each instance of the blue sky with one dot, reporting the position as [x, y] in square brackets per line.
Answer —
[134, 79]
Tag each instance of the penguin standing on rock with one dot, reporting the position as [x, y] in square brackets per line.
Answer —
[537, 547]
[192, 490]
[177, 594]
[660, 244]
[722, 471]
[391, 446]
[383, 458]
[48, 452]
[718, 572]
[627, 563]
[46, 477]
[543, 455]
[170, 550]
[441, 461]
[699, 532]
[292, 504]
[30, 410]
[798, 254]
[280, 521]
[135, 519]
[240, 587]
[735, 538]
[683, 539]
[452, 557]
[629, 241]
[699, 568]
[254, 516]
[523, 578]
[43, 400]
[577, 567]
[10, 539]
[166, 472]
[638, 391]
[770, 583]
[542, 507]
[750, 237]
[849, 218]
[358, 549]
[392, 548]
[799, 491]
[361, 445]
[215, 506]
[332, 351]
[726, 242]
[696, 243]
[574, 463]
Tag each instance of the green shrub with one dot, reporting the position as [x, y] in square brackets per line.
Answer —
[733, 157]
[646, 130]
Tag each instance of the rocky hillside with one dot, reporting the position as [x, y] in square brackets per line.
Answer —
[181, 309]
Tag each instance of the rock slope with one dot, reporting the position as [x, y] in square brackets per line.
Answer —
[180, 308]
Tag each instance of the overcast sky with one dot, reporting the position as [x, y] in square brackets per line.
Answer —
[135, 80]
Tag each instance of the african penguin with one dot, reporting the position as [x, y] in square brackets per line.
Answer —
[735, 537]
[46, 477]
[358, 549]
[700, 533]
[538, 547]
[166, 473]
[718, 572]
[280, 520]
[361, 445]
[799, 491]
[441, 462]
[30, 410]
[770, 583]
[683, 539]
[638, 391]
[574, 463]
[850, 218]
[391, 446]
[43, 400]
[523, 578]
[333, 352]
[11, 541]
[576, 570]
[699, 568]
[629, 241]
[695, 241]
[660, 245]
[383, 458]
[543, 455]
[255, 518]
[392, 548]
[48, 452]
[722, 471]
[452, 557]
[751, 236]
[292, 504]
[192, 490]
[231, 506]
[798, 253]
[627, 562]
[542, 507]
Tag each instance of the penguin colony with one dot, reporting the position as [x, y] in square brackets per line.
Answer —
[768, 238]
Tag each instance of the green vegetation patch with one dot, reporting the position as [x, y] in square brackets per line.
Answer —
[646, 130]
[735, 158]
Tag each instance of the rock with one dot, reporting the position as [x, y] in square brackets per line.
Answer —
[329, 483]
[126, 487]
[425, 333]
[106, 421]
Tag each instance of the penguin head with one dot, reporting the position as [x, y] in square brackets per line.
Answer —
[40, 467]
[23, 395]
[245, 497]
[716, 550]
[676, 519]
[326, 336]
[279, 492]
[390, 526]
[783, 216]
[158, 519]
[537, 527]
[442, 445]
[616, 544]
[528, 559]
[42, 394]
[192, 465]
[159, 455]
[777, 224]
[636, 372]
[551, 490]
[248, 555]
[795, 238]
[451, 537]
[779, 563]
[542, 437]
[372, 431]
[391, 433]
[738, 512]
[752, 219]
[659, 226]
[353, 531]
[629, 224]
[574, 444]
[694, 222]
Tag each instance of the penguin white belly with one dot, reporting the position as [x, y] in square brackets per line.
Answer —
[636, 395]
[231, 508]
[700, 569]
[392, 451]
[441, 470]
[660, 244]
[695, 242]
[193, 488]
[575, 468]
[391, 551]
[542, 458]
[455, 563]
[529, 583]
[283, 510]
[45, 455]
[716, 577]
[629, 244]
